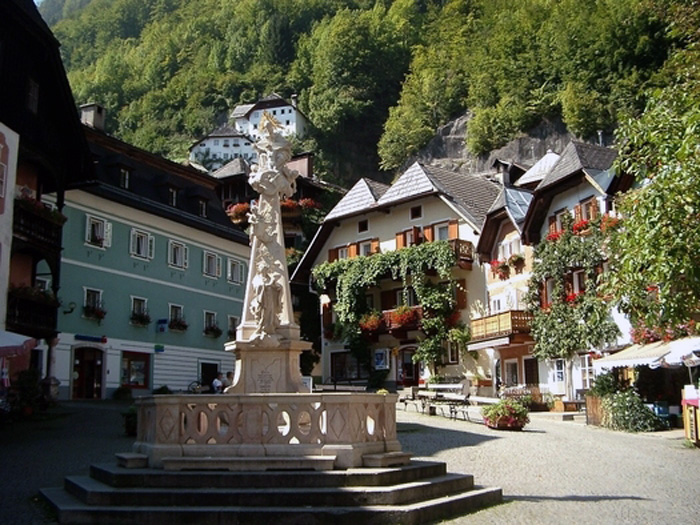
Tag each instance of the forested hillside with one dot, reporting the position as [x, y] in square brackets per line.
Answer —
[376, 77]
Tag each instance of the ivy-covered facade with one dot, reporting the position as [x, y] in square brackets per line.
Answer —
[396, 272]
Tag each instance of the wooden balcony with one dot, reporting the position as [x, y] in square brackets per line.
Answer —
[464, 250]
[35, 316]
[499, 325]
[399, 327]
[36, 226]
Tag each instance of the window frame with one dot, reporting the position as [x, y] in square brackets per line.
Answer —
[92, 292]
[148, 244]
[363, 226]
[234, 267]
[415, 212]
[172, 196]
[211, 258]
[144, 302]
[173, 307]
[172, 258]
[92, 237]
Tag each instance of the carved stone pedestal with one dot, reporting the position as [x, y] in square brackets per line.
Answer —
[263, 370]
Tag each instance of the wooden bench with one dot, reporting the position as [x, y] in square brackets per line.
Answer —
[438, 396]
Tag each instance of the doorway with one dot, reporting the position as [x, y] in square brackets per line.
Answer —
[407, 370]
[87, 373]
[532, 376]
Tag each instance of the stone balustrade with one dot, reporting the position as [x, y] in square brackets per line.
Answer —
[345, 425]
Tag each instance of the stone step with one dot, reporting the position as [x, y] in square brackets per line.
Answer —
[388, 459]
[132, 460]
[250, 464]
[115, 476]
[93, 492]
[71, 510]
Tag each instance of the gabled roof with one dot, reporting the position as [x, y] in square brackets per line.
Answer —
[537, 172]
[577, 161]
[512, 204]
[470, 195]
[242, 110]
[235, 167]
[578, 156]
[272, 100]
[473, 195]
[361, 197]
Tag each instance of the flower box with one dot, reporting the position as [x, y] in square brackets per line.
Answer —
[95, 312]
[140, 318]
[213, 331]
[178, 325]
[371, 322]
[404, 317]
[507, 414]
[238, 212]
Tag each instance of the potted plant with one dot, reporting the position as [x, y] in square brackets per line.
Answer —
[500, 268]
[517, 260]
[506, 414]
[238, 212]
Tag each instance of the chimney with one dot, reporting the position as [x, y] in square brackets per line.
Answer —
[295, 99]
[93, 115]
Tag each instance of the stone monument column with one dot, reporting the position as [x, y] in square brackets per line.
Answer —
[267, 344]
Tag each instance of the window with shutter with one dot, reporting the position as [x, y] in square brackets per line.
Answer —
[374, 246]
[333, 254]
[453, 229]
[428, 233]
[400, 241]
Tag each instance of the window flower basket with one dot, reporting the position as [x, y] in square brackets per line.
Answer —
[371, 322]
[500, 268]
[555, 236]
[404, 316]
[507, 414]
[289, 206]
[608, 222]
[517, 260]
[238, 212]
[96, 312]
[582, 227]
[33, 294]
[178, 324]
[309, 204]
[140, 318]
[41, 209]
[572, 297]
[213, 331]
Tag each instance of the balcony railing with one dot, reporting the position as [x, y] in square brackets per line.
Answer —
[498, 325]
[464, 250]
[31, 315]
[33, 226]
[409, 321]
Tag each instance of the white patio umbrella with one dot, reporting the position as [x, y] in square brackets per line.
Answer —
[12, 344]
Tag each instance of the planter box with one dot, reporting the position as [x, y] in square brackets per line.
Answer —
[502, 425]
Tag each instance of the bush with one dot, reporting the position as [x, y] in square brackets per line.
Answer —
[605, 384]
[123, 393]
[626, 411]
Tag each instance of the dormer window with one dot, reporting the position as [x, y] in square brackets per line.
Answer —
[202, 207]
[172, 197]
[33, 96]
[124, 178]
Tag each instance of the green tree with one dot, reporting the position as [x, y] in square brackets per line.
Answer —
[656, 251]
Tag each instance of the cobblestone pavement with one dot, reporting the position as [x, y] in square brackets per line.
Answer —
[550, 473]
[555, 472]
[40, 452]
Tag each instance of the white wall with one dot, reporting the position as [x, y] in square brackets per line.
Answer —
[9, 145]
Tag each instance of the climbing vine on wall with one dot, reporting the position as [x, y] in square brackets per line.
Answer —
[570, 322]
[352, 277]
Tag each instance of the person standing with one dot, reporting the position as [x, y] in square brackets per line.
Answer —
[217, 386]
[228, 380]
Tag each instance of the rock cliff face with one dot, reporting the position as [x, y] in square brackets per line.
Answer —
[448, 150]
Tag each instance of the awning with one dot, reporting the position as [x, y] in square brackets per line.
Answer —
[12, 344]
[657, 354]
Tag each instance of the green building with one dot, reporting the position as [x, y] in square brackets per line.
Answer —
[152, 275]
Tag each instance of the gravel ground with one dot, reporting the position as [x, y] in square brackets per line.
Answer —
[563, 471]
[552, 472]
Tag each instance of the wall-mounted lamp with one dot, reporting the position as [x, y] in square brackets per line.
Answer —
[71, 307]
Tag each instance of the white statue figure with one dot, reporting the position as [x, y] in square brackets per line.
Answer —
[267, 315]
